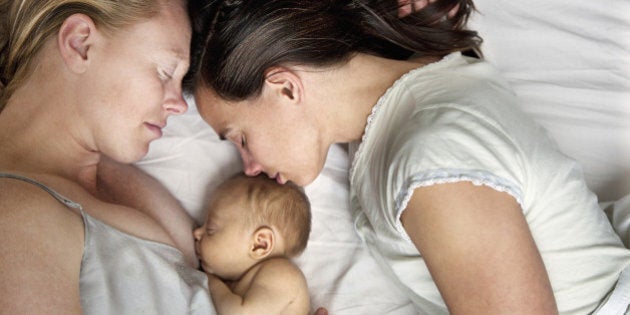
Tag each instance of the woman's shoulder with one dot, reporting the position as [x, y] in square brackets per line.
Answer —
[26, 199]
[29, 210]
[42, 246]
[37, 197]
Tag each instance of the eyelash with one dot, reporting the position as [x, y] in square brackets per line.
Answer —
[165, 75]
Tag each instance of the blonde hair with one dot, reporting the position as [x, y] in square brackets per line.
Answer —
[285, 207]
[26, 25]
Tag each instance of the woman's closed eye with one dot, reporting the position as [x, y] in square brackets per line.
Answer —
[165, 75]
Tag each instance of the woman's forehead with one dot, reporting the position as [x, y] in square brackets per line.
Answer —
[210, 106]
[221, 114]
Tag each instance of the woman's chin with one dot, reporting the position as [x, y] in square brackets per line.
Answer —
[305, 180]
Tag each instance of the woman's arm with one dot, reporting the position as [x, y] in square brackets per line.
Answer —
[479, 250]
[129, 186]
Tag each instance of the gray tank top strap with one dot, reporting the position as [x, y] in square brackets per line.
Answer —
[53, 193]
[124, 274]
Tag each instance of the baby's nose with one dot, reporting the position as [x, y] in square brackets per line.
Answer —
[197, 233]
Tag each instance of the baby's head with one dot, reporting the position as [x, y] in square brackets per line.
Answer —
[251, 219]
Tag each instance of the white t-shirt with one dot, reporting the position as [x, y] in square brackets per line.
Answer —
[457, 120]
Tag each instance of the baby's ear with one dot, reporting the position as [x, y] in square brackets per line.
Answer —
[263, 241]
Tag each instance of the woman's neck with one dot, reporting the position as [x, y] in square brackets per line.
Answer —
[355, 87]
[35, 138]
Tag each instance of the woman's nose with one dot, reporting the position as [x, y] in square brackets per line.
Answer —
[174, 102]
[251, 167]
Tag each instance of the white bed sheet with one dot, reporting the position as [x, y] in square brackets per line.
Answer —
[567, 60]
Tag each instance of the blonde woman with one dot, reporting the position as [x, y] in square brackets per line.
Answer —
[82, 80]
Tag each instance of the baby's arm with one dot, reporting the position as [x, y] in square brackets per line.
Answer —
[278, 286]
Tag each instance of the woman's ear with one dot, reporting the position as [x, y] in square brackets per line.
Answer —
[75, 39]
[263, 242]
[285, 83]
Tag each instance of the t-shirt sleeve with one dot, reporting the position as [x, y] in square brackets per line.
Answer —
[444, 144]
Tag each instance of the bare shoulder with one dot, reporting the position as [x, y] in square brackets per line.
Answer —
[282, 269]
[41, 251]
[282, 280]
[25, 206]
[22, 200]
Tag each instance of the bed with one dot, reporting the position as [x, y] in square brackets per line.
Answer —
[568, 61]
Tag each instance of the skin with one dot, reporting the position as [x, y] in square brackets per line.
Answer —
[247, 266]
[223, 242]
[287, 120]
[75, 107]
[496, 268]
[252, 146]
[481, 273]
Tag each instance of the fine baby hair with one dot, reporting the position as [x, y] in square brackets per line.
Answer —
[285, 207]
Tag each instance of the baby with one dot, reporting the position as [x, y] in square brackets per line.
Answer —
[253, 227]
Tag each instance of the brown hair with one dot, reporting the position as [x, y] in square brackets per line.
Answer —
[236, 41]
[26, 25]
[285, 207]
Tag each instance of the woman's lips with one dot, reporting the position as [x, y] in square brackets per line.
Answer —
[156, 129]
